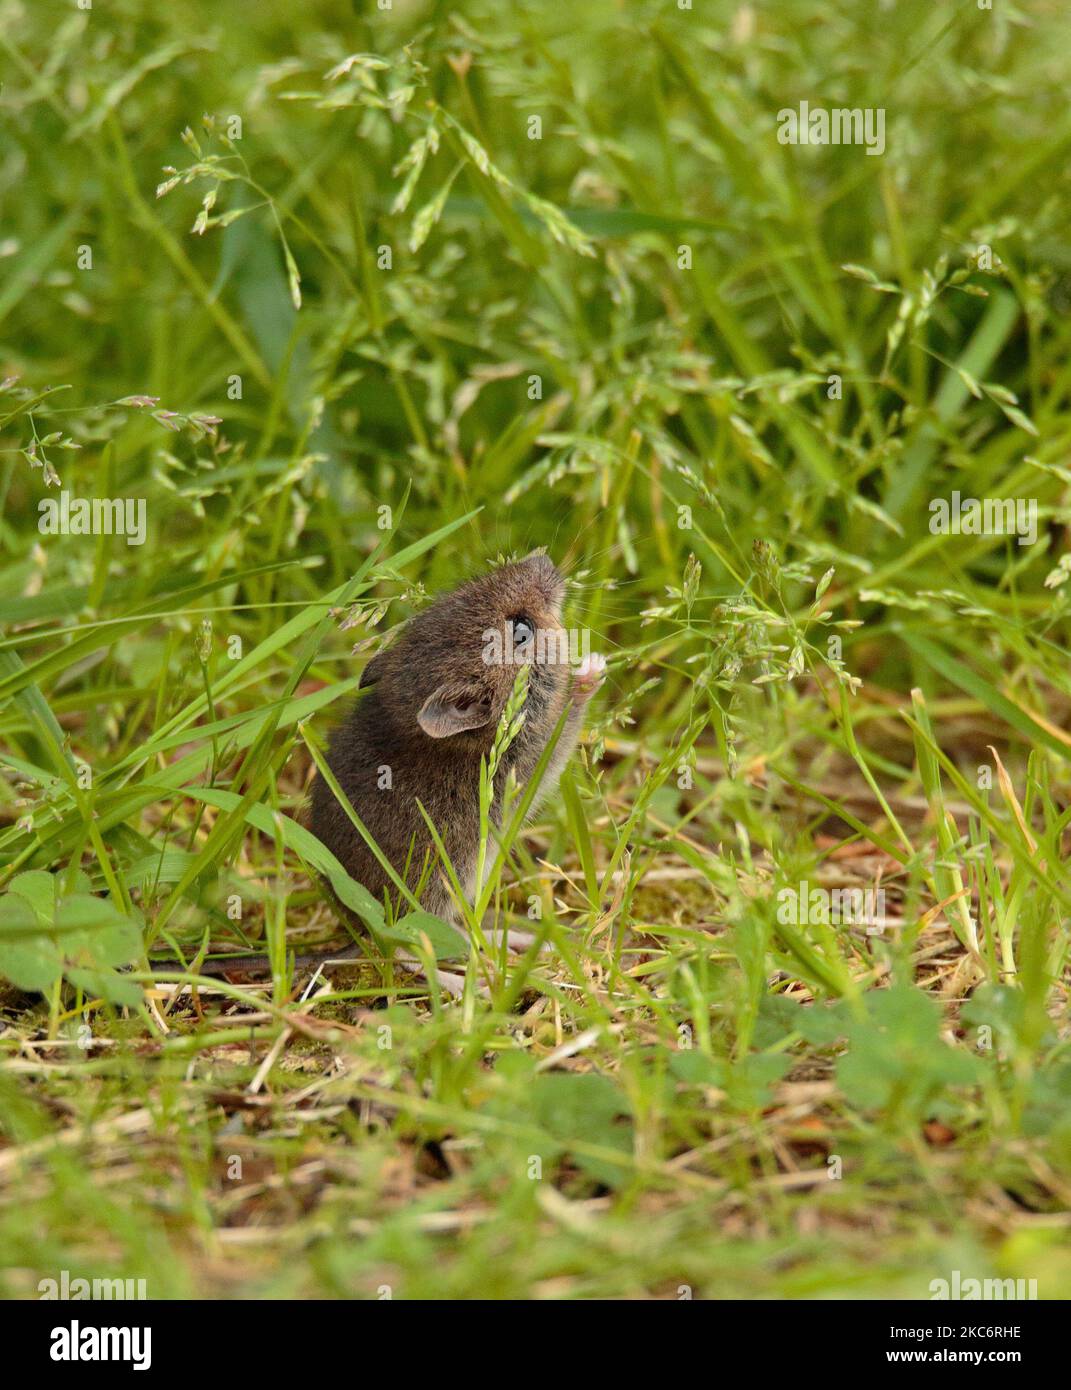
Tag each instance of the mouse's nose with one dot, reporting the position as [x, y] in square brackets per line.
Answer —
[543, 568]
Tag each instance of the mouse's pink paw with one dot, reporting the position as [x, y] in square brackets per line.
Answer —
[588, 676]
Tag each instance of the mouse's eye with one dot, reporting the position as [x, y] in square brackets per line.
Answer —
[523, 632]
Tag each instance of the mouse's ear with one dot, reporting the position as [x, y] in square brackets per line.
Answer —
[450, 710]
[372, 671]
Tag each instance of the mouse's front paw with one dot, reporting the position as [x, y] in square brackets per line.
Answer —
[587, 677]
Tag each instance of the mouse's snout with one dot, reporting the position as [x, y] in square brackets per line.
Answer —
[541, 570]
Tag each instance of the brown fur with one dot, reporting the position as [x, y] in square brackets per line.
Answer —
[435, 676]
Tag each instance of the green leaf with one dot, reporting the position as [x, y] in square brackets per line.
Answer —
[446, 941]
[38, 888]
[32, 961]
[95, 928]
[746, 1082]
[819, 1024]
[896, 1060]
[1000, 1007]
[167, 867]
[105, 984]
[589, 1108]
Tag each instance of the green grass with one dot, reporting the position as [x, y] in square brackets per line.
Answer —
[721, 379]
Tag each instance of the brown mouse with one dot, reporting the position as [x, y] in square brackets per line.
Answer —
[427, 714]
[434, 699]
